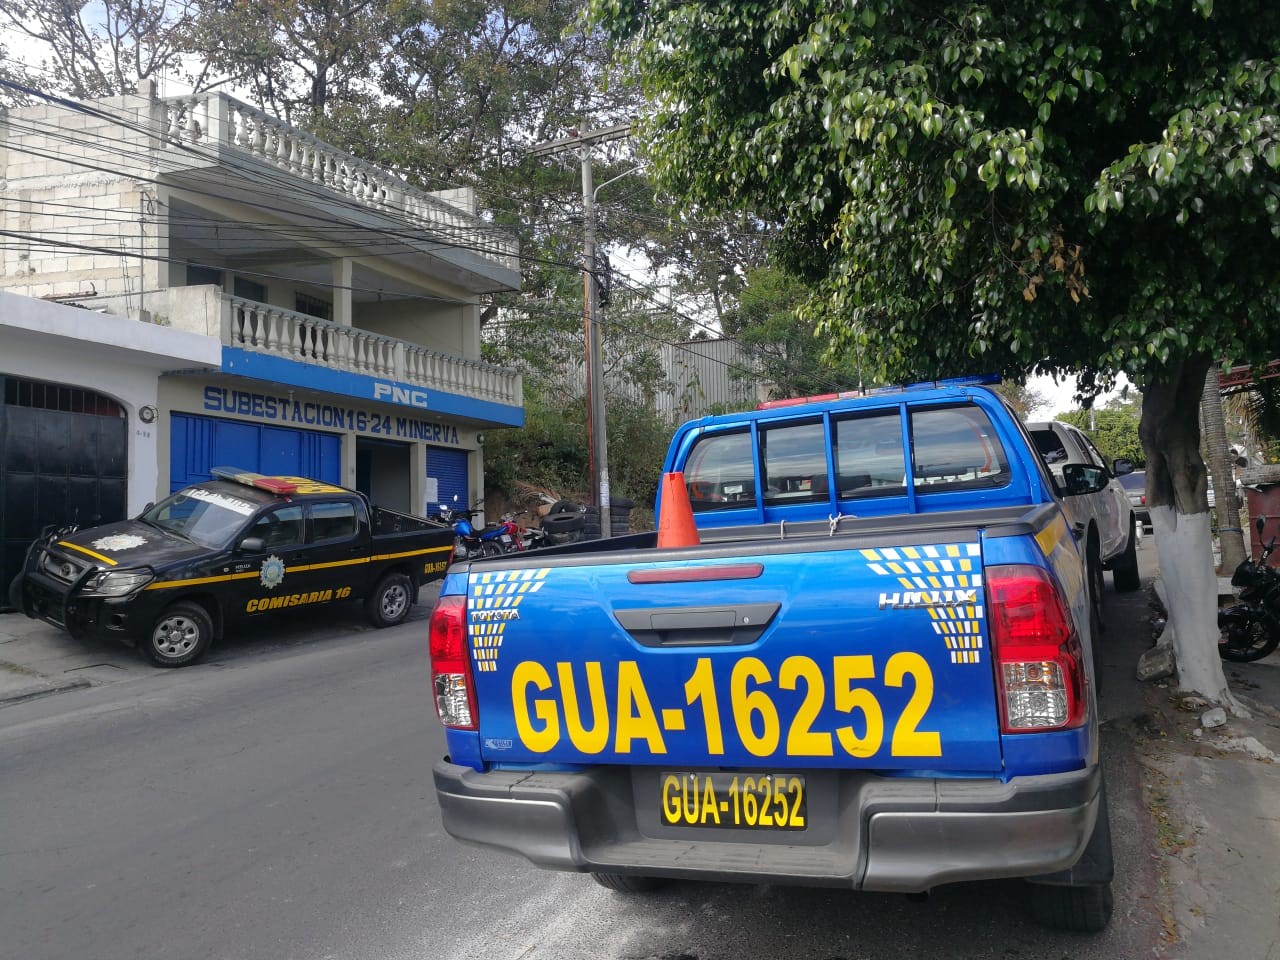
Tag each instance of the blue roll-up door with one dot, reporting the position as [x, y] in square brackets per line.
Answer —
[449, 468]
[198, 444]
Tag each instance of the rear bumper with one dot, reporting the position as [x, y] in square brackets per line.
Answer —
[881, 834]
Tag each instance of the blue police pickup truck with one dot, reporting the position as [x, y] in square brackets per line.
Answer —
[239, 546]
[874, 672]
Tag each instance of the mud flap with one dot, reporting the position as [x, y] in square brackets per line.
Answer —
[1096, 865]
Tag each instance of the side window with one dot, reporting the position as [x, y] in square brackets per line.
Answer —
[281, 527]
[1093, 453]
[956, 448]
[333, 521]
[1050, 446]
[869, 456]
[720, 473]
[795, 463]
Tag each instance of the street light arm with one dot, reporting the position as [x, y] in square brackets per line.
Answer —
[614, 179]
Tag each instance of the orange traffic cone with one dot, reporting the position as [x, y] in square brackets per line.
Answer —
[676, 527]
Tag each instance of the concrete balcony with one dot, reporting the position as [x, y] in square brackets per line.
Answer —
[270, 343]
[216, 138]
[261, 328]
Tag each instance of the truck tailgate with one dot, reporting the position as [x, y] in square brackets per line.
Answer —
[835, 655]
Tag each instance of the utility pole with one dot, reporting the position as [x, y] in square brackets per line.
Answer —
[580, 143]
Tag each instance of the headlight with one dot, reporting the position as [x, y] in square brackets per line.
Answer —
[117, 583]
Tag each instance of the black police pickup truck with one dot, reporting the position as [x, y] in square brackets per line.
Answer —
[238, 546]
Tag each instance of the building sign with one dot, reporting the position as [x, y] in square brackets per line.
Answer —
[329, 416]
[394, 393]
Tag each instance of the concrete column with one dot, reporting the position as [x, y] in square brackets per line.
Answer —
[349, 460]
[418, 479]
[342, 291]
[471, 331]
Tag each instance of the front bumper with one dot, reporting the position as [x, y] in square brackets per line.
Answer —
[871, 833]
[42, 597]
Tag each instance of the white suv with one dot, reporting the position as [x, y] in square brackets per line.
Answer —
[1101, 515]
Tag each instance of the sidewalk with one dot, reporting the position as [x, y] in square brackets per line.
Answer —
[1215, 795]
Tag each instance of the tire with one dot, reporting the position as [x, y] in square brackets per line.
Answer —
[1124, 569]
[1094, 570]
[1253, 642]
[628, 883]
[490, 549]
[1080, 909]
[558, 524]
[390, 601]
[180, 636]
[563, 506]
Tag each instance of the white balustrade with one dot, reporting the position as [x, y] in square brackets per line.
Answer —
[263, 328]
[216, 120]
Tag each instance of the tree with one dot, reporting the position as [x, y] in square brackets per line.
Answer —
[1058, 186]
[1114, 431]
[103, 47]
[304, 59]
[788, 353]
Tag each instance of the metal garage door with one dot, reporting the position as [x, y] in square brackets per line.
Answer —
[63, 459]
[449, 469]
[198, 444]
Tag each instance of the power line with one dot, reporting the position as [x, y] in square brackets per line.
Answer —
[59, 134]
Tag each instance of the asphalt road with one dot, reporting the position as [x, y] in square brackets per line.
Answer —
[277, 803]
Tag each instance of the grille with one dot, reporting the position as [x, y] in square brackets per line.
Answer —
[61, 568]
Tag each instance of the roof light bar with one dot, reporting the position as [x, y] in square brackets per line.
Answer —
[986, 379]
[250, 479]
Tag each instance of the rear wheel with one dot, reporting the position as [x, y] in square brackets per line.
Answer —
[1124, 569]
[1246, 642]
[628, 883]
[181, 636]
[389, 603]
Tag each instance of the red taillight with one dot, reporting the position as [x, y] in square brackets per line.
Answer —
[1039, 661]
[451, 664]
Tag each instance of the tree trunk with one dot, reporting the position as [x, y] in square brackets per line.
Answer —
[1230, 534]
[1176, 496]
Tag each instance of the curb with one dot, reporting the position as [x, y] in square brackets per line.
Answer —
[41, 688]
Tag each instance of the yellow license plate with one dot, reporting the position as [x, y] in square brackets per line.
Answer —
[754, 801]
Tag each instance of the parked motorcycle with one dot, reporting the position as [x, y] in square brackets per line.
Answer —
[1251, 627]
[493, 540]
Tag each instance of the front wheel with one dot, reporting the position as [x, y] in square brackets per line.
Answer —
[1094, 564]
[181, 636]
[389, 603]
[1244, 642]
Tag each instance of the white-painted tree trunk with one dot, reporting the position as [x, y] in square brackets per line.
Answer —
[1186, 564]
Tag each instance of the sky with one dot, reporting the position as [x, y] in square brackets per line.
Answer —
[1060, 394]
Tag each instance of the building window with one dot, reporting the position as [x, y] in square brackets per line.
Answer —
[313, 307]
[199, 275]
[249, 290]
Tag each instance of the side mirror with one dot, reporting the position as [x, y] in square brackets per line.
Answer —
[1080, 480]
[1121, 467]
[252, 545]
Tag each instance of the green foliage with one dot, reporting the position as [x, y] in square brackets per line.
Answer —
[550, 450]
[973, 187]
[787, 349]
[1024, 399]
[1114, 431]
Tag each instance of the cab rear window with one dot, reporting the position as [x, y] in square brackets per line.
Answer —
[955, 448]
[720, 472]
